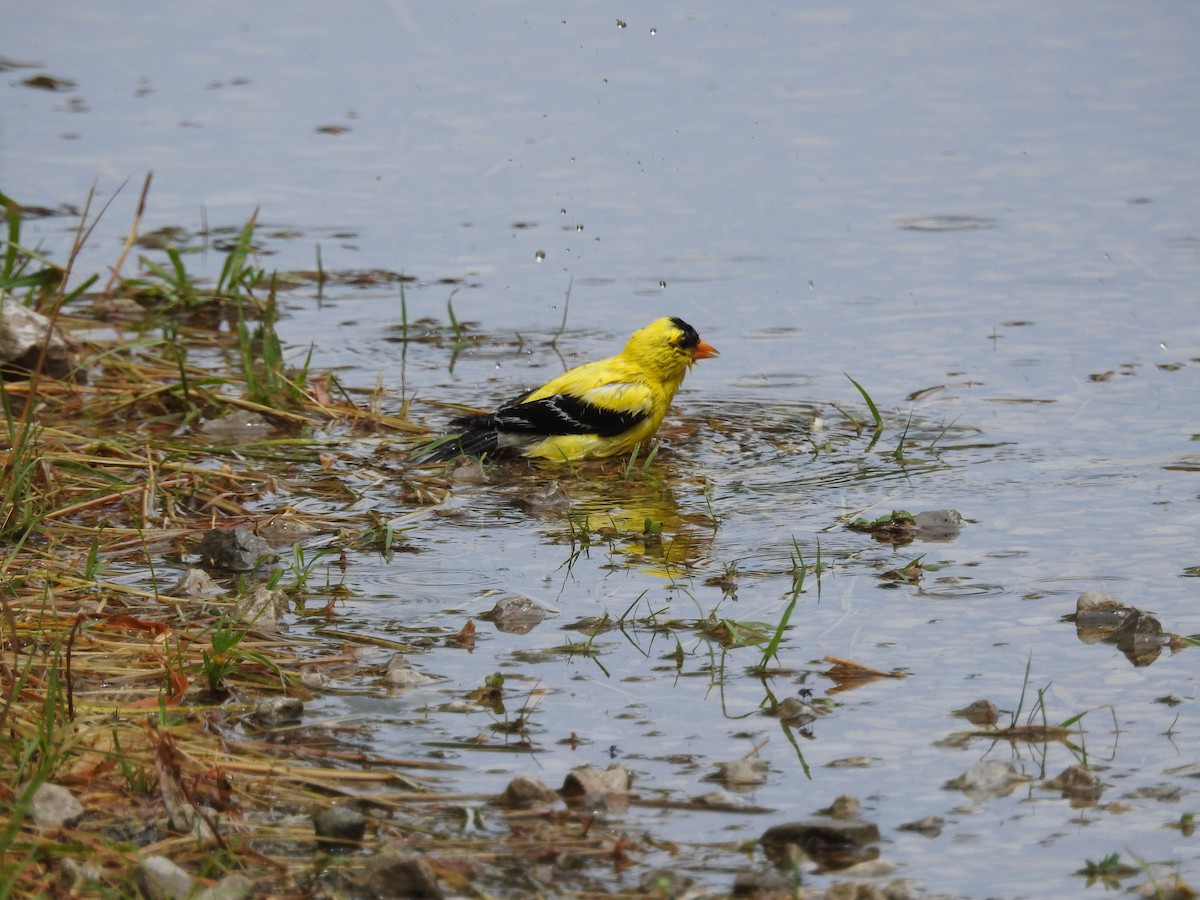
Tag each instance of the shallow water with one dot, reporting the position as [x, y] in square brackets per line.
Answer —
[989, 210]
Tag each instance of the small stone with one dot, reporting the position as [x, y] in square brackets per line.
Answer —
[161, 879]
[551, 501]
[262, 608]
[988, 778]
[338, 827]
[525, 791]
[1077, 783]
[400, 673]
[395, 872]
[315, 680]
[469, 471]
[187, 819]
[1097, 614]
[53, 806]
[796, 712]
[724, 800]
[1097, 601]
[272, 712]
[196, 584]
[237, 549]
[284, 528]
[516, 615]
[741, 772]
[981, 713]
[237, 427]
[592, 781]
[930, 826]
[938, 525]
[844, 807]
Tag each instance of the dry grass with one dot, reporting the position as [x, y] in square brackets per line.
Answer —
[139, 702]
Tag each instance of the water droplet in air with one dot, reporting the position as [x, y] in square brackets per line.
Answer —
[540, 255]
[662, 284]
[563, 210]
[622, 24]
[653, 31]
[579, 227]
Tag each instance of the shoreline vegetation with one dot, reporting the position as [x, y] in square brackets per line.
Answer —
[153, 712]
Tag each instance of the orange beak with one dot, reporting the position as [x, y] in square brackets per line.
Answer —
[704, 350]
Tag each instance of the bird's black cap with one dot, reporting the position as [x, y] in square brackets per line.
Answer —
[691, 337]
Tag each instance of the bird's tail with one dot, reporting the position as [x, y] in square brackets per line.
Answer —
[452, 446]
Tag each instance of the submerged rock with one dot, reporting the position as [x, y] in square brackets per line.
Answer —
[395, 872]
[238, 427]
[844, 807]
[1077, 785]
[831, 843]
[237, 549]
[525, 791]
[741, 772]
[262, 607]
[338, 827]
[938, 525]
[274, 711]
[196, 584]
[982, 713]
[400, 673]
[901, 527]
[930, 826]
[1098, 613]
[591, 783]
[516, 615]
[988, 778]
[1101, 617]
[796, 712]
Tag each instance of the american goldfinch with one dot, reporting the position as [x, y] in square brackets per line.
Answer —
[599, 409]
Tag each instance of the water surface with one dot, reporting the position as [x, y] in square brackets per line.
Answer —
[986, 215]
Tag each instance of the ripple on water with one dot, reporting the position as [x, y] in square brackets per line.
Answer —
[957, 590]
[946, 223]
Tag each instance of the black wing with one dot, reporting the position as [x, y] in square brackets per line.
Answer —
[482, 434]
[561, 414]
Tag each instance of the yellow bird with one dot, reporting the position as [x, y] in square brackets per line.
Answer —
[599, 409]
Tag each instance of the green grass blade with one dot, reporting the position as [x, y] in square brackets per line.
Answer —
[870, 403]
